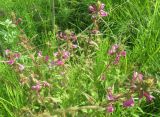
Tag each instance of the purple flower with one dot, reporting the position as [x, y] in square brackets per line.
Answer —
[110, 97]
[149, 97]
[11, 62]
[128, 103]
[46, 58]
[103, 13]
[52, 63]
[110, 108]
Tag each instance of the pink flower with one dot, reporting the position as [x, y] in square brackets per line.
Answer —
[59, 62]
[111, 52]
[40, 54]
[117, 59]
[110, 108]
[55, 54]
[113, 49]
[7, 51]
[137, 75]
[128, 103]
[46, 58]
[92, 8]
[140, 77]
[62, 35]
[149, 97]
[21, 67]
[110, 96]
[17, 55]
[46, 84]
[66, 55]
[37, 87]
[73, 37]
[102, 6]
[123, 53]
[11, 62]
[103, 13]
[74, 46]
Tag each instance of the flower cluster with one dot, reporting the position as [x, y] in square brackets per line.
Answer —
[115, 50]
[61, 57]
[40, 85]
[57, 59]
[12, 59]
[69, 37]
[135, 87]
[97, 10]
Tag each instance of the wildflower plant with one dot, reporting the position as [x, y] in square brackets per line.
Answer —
[44, 76]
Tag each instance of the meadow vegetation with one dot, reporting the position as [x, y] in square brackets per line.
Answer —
[80, 58]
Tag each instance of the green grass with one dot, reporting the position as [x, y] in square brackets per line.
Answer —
[133, 23]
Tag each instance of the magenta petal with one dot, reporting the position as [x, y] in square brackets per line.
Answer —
[66, 55]
[92, 8]
[110, 97]
[59, 63]
[110, 108]
[36, 87]
[128, 103]
[140, 77]
[46, 58]
[11, 62]
[103, 13]
[149, 97]
[123, 53]
[135, 75]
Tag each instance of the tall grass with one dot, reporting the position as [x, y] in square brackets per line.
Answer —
[133, 23]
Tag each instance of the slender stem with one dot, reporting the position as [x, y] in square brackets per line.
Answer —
[53, 15]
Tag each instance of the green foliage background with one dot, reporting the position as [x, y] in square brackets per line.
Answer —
[134, 23]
